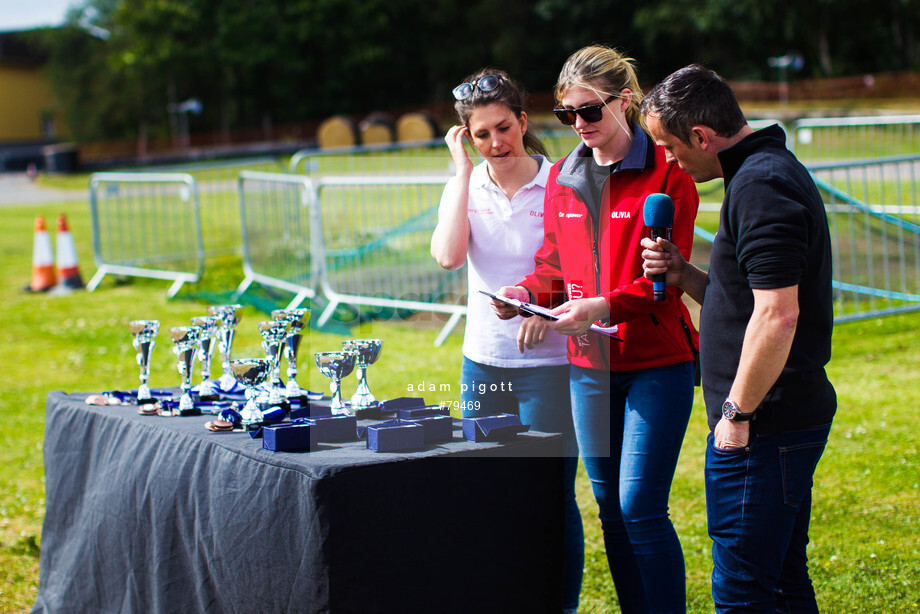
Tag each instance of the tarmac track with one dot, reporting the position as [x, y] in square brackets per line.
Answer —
[19, 189]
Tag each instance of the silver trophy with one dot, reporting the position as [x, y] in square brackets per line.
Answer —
[143, 332]
[185, 339]
[230, 316]
[335, 366]
[251, 373]
[208, 326]
[273, 333]
[367, 351]
[297, 319]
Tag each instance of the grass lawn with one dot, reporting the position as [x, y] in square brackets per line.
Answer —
[865, 550]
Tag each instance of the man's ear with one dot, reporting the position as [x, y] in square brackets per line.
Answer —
[701, 136]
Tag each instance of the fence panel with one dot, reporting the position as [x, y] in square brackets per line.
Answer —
[217, 190]
[416, 158]
[146, 225]
[376, 233]
[874, 217]
[278, 234]
[856, 138]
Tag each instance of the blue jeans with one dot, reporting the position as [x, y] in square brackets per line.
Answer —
[758, 503]
[540, 396]
[630, 427]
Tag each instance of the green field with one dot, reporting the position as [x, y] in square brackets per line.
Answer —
[865, 550]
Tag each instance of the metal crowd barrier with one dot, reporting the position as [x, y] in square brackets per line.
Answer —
[856, 138]
[874, 217]
[376, 234]
[416, 157]
[146, 225]
[217, 185]
[280, 237]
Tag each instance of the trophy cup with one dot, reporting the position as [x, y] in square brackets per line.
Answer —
[208, 325]
[335, 366]
[251, 372]
[367, 351]
[297, 319]
[143, 332]
[229, 317]
[273, 333]
[185, 339]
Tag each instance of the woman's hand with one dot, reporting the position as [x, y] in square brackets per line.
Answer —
[531, 333]
[454, 140]
[505, 311]
[577, 316]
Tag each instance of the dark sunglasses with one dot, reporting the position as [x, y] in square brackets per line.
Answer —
[590, 113]
[485, 83]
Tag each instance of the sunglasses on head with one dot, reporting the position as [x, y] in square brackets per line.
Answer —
[485, 83]
[590, 113]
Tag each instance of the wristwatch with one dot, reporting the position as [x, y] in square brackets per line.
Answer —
[731, 411]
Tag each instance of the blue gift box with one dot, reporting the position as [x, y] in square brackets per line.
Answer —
[437, 428]
[411, 413]
[498, 427]
[390, 437]
[401, 403]
[309, 409]
[287, 437]
[334, 428]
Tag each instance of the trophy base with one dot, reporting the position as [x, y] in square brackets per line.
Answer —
[188, 412]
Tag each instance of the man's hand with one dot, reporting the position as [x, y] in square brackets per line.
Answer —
[662, 257]
[729, 434]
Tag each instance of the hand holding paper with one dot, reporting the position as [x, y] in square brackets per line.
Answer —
[515, 306]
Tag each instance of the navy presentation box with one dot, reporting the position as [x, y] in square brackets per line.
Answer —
[401, 403]
[308, 409]
[411, 413]
[437, 428]
[498, 427]
[334, 428]
[286, 437]
[394, 437]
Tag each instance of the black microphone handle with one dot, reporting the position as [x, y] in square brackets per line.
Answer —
[658, 281]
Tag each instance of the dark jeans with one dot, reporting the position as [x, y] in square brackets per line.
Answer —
[630, 426]
[758, 503]
[540, 396]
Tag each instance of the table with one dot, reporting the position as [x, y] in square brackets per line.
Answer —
[152, 514]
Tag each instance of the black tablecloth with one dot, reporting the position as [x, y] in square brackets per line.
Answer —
[153, 514]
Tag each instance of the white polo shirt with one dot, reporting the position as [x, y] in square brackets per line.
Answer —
[504, 236]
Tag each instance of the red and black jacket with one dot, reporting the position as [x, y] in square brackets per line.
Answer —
[592, 249]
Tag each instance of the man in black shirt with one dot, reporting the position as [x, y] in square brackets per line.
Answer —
[765, 337]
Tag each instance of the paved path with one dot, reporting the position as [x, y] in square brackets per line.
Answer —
[18, 189]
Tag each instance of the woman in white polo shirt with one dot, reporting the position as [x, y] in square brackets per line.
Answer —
[491, 217]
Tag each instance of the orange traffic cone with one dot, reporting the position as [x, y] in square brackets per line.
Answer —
[43, 277]
[67, 266]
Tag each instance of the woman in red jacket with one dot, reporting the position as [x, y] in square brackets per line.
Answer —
[631, 399]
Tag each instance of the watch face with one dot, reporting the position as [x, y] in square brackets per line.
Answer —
[730, 412]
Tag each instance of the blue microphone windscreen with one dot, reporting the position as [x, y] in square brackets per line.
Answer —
[658, 211]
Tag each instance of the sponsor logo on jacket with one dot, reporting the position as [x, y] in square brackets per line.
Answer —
[562, 214]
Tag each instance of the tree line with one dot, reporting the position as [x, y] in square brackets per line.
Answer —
[119, 66]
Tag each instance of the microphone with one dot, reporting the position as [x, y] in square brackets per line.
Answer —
[658, 213]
